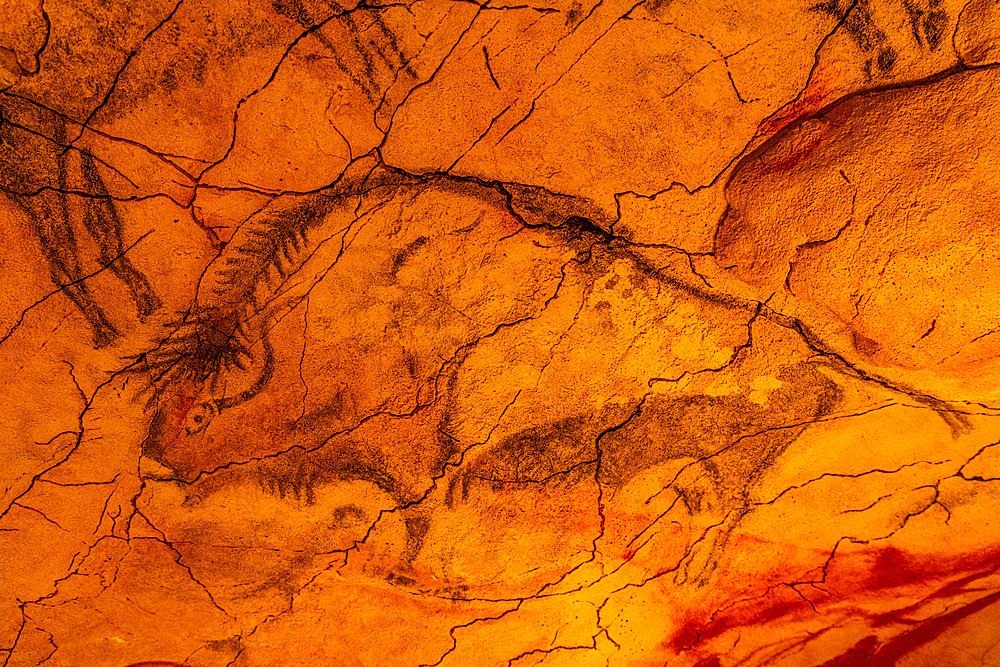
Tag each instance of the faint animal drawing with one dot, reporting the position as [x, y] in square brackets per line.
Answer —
[730, 439]
[927, 26]
[36, 172]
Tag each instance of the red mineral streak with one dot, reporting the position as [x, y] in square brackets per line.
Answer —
[693, 632]
[870, 653]
[168, 428]
[893, 568]
[856, 655]
[509, 224]
[710, 662]
[180, 406]
[886, 572]
[806, 104]
[793, 160]
[686, 637]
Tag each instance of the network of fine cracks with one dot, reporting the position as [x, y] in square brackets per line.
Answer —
[608, 239]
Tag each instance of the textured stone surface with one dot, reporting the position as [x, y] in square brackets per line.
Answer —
[445, 333]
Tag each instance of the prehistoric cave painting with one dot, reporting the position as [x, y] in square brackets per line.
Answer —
[218, 354]
[486, 334]
[731, 441]
[221, 356]
[373, 44]
[190, 372]
[927, 25]
[59, 188]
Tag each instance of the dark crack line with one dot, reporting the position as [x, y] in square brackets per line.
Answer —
[733, 359]
[40, 513]
[45, 42]
[821, 242]
[568, 69]
[381, 413]
[480, 137]
[70, 284]
[66, 147]
[701, 460]
[486, 57]
[62, 459]
[955, 419]
[121, 70]
[571, 32]
[274, 73]
[402, 103]
[406, 65]
[161, 157]
[454, 639]
[859, 475]
[600, 504]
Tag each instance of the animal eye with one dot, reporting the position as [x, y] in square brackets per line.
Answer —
[199, 418]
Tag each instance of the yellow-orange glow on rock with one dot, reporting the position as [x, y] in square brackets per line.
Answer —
[493, 334]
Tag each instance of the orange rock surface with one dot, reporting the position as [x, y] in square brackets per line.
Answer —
[480, 334]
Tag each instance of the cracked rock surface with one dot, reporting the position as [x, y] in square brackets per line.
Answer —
[446, 332]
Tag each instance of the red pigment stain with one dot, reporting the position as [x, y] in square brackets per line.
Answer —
[950, 590]
[693, 631]
[177, 411]
[857, 655]
[892, 568]
[210, 233]
[869, 653]
[797, 157]
[509, 224]
[882, 569]
[930, 629]
[808, 103]
[181, 407]
[168, 425]
[686, 637]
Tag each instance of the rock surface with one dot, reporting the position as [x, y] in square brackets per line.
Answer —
[445, 333]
